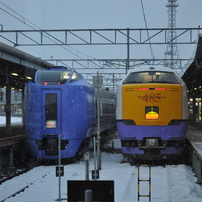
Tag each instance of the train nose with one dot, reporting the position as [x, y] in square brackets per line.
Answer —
[50, 145]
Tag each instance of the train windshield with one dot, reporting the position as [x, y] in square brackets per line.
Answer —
[49, 77]
[152, 77]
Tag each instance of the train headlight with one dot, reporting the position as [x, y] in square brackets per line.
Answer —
[51, 124]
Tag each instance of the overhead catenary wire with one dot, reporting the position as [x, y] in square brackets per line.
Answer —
[151, 50]
[33, 26]
[56, 40]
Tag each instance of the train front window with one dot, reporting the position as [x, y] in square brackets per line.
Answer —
[51, 110]
[152, 77]
[48, 77]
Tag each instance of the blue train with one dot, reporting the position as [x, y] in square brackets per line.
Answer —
[60, 102]
[152, 113]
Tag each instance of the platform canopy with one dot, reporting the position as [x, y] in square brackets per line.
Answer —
[17, 67]
[193, 74]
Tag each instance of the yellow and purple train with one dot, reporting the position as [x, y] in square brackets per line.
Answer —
[152, 113]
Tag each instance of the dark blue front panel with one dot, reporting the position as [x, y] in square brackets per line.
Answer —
[70, 112]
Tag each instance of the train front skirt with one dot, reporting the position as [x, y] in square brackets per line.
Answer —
[152, 139]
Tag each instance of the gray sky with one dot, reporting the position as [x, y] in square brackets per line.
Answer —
[80, 14]
[71, 14]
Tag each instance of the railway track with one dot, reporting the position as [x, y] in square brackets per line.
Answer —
[42, 183]
[21, 189]
[9, 173]
[13, 195]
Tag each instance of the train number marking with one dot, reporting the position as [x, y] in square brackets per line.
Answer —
[151, 97]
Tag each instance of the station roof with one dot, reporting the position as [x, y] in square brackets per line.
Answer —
[17, 67]
[193, 74]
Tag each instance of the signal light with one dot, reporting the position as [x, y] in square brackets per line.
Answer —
[143, 88]
[160, 88]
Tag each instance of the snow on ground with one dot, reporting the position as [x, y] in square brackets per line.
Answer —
[14, 120]
[175, 183]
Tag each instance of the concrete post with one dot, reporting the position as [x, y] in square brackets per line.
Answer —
[88, 196]
[87, 170]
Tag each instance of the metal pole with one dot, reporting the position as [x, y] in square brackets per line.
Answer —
[23, 101]
[87, 170]
[1, 166]
[201, 109]
[11, 157]
[98, 132]
[128, 51]
[8, 104]
[87, 158]
[194, 109]
[59, 162]
[95, 156]
[113, 82]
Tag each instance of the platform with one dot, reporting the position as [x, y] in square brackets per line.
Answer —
[13, 131]
[11, 147]
[194, 136]
[9, 141]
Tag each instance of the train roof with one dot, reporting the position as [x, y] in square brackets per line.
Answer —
[152, 68]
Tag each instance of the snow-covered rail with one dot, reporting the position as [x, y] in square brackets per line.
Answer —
[169, 184]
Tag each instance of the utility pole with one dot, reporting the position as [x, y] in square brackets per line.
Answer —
[128, 51]
[98, 83]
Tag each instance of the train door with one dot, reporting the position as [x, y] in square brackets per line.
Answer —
[51, 116]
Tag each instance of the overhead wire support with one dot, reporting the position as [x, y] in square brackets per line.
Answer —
[136, 36]
[43, 34]
[69, 38]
